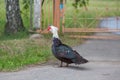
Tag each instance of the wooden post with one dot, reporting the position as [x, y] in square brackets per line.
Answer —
[63, 19]
[56, 13]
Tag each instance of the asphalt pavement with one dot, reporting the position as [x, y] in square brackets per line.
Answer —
[104, 64]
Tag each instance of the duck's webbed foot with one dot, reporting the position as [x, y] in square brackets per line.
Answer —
[67, 64]
[61, 64]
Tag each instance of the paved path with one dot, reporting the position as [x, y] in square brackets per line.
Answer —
[100, 50]
[90, 71]
[104, 56]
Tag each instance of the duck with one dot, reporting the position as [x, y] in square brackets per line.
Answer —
[63, 52]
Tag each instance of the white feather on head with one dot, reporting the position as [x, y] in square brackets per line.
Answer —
[53, 30]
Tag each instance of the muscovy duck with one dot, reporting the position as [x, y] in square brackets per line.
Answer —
[64, 52]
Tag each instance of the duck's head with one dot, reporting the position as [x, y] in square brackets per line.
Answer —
[53, 30]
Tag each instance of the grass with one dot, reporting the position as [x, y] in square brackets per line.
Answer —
[2, 16]
[17, 51]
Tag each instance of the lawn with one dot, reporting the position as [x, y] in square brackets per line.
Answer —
[16, 53]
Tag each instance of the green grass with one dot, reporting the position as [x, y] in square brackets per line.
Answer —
[15, 53]
[2, 16]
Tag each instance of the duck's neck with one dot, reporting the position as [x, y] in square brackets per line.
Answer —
[55, 35]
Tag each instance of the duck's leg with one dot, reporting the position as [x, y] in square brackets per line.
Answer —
[67, 64]
[61, 64]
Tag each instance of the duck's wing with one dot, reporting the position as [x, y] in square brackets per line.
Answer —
[65, 51]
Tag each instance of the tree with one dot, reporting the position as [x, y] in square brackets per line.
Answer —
[37, 13]
[14, 21]
[36, 9]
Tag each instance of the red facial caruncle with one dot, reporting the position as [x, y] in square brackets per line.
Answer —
[48, 28]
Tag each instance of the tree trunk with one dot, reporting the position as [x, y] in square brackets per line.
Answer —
[14, 21]
[37, 13]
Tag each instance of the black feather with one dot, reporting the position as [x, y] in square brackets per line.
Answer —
[65, 53]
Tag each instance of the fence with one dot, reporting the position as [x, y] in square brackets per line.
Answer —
[98, 16]
[96, 11]
[47, 13]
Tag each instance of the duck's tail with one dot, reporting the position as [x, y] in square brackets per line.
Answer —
[79, 59]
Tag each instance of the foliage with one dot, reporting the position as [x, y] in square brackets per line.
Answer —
[26, 4]
[80, 3]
